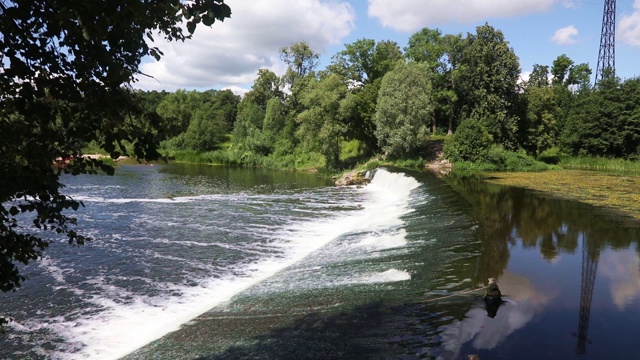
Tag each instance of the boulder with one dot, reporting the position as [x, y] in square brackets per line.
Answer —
[353, 178]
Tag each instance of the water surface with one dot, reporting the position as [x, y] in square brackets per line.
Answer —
[218, 263]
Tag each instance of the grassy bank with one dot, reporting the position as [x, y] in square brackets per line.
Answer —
[599, 163]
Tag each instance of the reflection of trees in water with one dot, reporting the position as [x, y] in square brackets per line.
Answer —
[508, 214]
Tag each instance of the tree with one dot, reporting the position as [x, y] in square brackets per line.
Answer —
[362, 65]
[605, 122]
[427, 46]
[321, 128]
[357, 110]
[355, 62]
[249, 124]
[539, 76]
[266, 87]
[301, 63]
[364, 61]
[560, 70]
[211, 120]
[542, 119]
[176, 110]
[301, 60]
[441, 54]
[566, 74]
[487, 84]
[274, 120]
[471, 142]
[66, 81]
[404, 109]
[385, 58]
[247, 130]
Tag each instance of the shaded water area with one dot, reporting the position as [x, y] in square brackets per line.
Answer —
[214, 263]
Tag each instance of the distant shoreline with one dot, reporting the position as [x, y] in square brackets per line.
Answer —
[98, 156]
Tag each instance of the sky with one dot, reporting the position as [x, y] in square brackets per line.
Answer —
[229, 54]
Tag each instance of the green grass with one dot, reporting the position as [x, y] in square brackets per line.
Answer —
[599, 163]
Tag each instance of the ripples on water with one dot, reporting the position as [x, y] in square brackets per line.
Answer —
[258, 264]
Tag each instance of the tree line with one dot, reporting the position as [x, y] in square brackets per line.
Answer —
[376, 98]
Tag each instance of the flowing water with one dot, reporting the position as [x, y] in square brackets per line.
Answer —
[193, 262]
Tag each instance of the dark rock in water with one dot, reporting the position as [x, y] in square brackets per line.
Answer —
[493, 290]
[492, 298]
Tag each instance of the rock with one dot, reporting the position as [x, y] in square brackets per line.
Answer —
[353, 178]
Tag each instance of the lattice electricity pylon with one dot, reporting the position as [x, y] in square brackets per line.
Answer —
[589, 267]
[607, 53]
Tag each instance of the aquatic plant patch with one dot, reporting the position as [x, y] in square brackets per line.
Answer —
[607, 189]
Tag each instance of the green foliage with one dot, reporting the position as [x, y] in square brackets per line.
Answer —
[487, 83]
[300, 59]
[362, 65]
[358, 110]
[321, 127]
[176, 110]
[541, 119]
[198, 120]
[471, 142]
[599, 163]
[427, 46]
[442, 54]
[539, 76]
[404, 109]
[364, 61]
[66, 82]
[550, 156]
[411, 163]
[605, 122]
[565, 73]
[355, 63]
[274, 120]
[499, 159]
[514, 161]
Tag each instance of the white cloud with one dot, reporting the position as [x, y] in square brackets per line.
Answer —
[411, 15]
[230, 53]
[629, 26]
[565, 36]
[571, 4]
[524, 77]
[621, 269]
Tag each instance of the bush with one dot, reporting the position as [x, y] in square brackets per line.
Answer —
[520, 161]
[471, 142]
[550, 156]
[410, 163]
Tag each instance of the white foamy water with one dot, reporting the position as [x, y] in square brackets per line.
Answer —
[121, 321]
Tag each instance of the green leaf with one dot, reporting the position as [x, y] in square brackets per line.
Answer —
[191, 26]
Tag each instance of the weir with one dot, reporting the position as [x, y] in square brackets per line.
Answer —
[124, 318]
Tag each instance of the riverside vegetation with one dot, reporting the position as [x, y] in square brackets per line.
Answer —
[379, 104]
[378, 101]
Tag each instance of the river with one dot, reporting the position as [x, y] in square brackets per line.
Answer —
[202, 262]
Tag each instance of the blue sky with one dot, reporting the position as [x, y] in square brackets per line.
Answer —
[229, 54]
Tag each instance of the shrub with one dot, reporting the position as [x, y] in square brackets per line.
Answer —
[550, 156]
[471, 142]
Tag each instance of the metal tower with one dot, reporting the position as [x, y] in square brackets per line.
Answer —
[607, 53]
